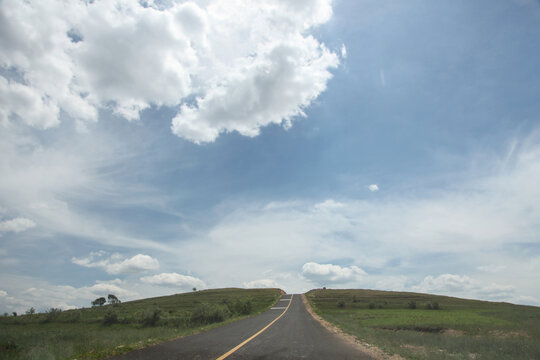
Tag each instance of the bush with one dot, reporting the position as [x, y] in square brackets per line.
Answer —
[111, 318]
[74, 316]
[177, 321]
[8, 345]
[435, 306]
[341, 304]
[354, 299]
[238, 306]
[150, 317]
[52, 314]
[242, 306]
[412, 305]
[428, 306]
[210, 313]
[372, 305]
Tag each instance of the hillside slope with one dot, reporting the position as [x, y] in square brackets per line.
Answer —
[423, 326]
[102, 331]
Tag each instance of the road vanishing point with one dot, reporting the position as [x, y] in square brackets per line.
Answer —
[286, 331]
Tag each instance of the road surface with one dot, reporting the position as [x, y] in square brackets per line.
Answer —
[287, 331]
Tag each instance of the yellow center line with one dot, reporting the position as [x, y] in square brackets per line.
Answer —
[254, 336]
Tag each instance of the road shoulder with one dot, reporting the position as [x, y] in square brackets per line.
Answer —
[370, 350]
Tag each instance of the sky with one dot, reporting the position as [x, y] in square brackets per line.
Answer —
[150, 147]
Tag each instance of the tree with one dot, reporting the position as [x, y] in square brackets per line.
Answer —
[31, 311]
[99, 301]
[14, 313]
[194, 289]
[113, 300]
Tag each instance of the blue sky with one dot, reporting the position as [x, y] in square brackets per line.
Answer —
[169, 145]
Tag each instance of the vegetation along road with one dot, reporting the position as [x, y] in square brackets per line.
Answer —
[286, 331]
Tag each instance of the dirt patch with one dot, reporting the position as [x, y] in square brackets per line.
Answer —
[368, 349]
[508, 334]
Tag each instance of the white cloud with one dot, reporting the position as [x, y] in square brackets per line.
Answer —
[373, 187]
[3, 293]
[322, 274]
[25, 292]
[456, 285]
[261, 283]
[272, 87]
[174, 280]
[343, 51]
[16, 225]
[234, 66]
[116, 265]
[329, 205]
[402, 235]
[445, 283]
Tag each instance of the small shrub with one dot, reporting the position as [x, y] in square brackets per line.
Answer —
[73, 316]
[209, 314]
[8, 345]
[243, 306]
[412, 305]
[341, 304]
[354, 299]
[380, 306]
[110, 318]
[372, 305]
[238, 306]
[436, 306]
[177, 322]
[52, 314]
[150, 317]
[428, 306]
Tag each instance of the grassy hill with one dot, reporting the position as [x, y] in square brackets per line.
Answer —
[422, 326]
[97, 332]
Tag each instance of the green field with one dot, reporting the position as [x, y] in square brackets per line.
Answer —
[458, 329]
[98, 332]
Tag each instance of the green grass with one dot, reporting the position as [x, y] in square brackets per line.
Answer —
[82, 334]
[460, 329]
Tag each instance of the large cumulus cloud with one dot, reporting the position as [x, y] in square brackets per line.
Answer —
[225, 66]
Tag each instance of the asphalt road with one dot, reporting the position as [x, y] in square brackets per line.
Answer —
[293, 334]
